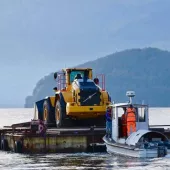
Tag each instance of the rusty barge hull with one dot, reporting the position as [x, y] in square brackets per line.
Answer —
[21, 140]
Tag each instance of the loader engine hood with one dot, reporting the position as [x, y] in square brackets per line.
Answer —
[89, 94]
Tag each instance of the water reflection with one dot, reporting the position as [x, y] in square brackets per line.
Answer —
[80, 161]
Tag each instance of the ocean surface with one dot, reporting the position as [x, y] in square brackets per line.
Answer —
[78, 161]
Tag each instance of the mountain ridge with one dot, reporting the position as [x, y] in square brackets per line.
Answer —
[146, 71]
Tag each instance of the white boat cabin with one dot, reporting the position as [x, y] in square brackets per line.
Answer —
[130, 132]
[141, 114]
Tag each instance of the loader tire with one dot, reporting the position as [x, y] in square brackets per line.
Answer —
[18, 147]
[60, 115]
[4, 145]
[48, 115]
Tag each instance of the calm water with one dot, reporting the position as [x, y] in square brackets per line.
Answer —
[81, 161]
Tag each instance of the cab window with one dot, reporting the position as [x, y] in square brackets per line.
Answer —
[74, 73]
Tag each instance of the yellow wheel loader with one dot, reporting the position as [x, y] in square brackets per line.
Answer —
[78, 100]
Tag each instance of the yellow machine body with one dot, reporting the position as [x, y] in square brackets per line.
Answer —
[73, 107]
[77, 96]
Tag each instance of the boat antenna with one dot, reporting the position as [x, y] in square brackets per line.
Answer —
[130, 94]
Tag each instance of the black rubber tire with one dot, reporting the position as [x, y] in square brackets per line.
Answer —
[18, 147]
[60, 115]
[48, 114]
[4, 145]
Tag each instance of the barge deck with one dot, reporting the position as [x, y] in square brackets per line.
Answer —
[20, 138]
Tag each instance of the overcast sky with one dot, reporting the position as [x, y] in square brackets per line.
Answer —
[38, 37]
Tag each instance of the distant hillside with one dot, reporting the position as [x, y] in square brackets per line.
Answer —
[146, 71]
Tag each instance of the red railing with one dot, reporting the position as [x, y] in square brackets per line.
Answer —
[61, 81]
[101, 78]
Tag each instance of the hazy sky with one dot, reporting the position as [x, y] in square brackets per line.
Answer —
[40, 36]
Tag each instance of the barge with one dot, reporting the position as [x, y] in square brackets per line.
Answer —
[29, 139]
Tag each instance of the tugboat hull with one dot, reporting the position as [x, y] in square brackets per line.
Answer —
[125, 149]
[114, 148]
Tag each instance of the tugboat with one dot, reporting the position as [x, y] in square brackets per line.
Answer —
[130, 134]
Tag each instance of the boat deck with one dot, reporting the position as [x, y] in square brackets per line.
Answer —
[113, 143]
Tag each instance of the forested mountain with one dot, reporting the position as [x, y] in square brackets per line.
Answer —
[146, 71]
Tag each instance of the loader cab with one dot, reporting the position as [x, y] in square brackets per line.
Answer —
[67, 76]
[72, 74]
[76, 73]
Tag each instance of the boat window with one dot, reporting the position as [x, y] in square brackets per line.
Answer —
[113, 113]
[120, 111]
[136, 113]
[141, 114]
